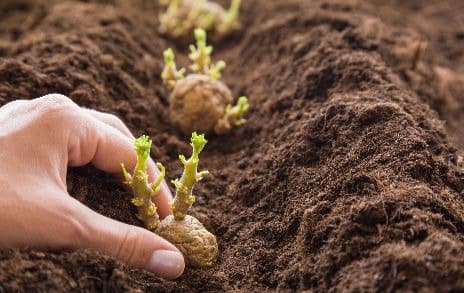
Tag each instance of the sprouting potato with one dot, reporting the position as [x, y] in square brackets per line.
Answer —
[200, 101]
[198, 245]
[183, 16]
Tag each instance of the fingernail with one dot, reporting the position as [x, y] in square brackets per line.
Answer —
[166, 264]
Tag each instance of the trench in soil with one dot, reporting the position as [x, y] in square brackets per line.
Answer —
[343, 178]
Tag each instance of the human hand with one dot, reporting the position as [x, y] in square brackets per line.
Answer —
[38, 140]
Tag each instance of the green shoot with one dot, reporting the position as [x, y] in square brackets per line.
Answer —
[230, 18]
[165, 2]
[204, 17]
[170, 20]
[172, 8]
[215, 70]
[238, 111]
[170, 74]
[173, 5]
[184, 186]
[138, 182]
[201, 57]
[201, 54]
[233, 116]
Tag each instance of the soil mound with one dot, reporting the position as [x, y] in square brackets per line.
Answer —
[342, 179]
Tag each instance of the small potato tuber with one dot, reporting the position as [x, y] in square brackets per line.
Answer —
[191, 238]
[200, 101]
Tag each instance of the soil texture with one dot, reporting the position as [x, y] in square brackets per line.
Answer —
[347, 175]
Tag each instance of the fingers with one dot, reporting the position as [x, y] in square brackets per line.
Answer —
[107, 147]
[39, 217]
[101, 144]
[109, 143]
[112, 121]
[130, 244]
[116, 123]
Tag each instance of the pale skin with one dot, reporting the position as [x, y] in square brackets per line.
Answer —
[39, 139]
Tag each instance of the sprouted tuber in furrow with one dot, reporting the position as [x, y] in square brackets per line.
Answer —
[181, 17]
[197, 244]
[200, 101]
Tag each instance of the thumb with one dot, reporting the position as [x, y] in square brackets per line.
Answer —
[132, 245]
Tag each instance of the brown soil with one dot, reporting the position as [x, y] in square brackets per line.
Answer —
[344, 178]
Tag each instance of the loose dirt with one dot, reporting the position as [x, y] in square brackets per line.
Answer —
[347, 176]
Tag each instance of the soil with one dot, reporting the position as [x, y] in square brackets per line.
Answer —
[347, 176]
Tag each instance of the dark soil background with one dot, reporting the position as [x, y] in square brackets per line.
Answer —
[347, 177]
